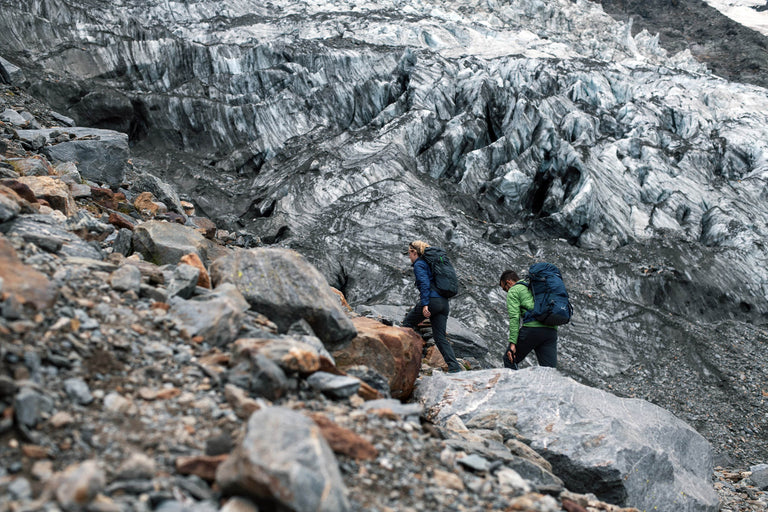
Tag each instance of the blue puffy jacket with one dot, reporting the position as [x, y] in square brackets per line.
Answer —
[424, 281]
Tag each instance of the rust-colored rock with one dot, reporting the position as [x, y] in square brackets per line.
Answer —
[146, 204]
[342, 299]
[203, 466]
[206, 227]
[290, 354]
[434, 358]
[344, 441]
[25, 284]
[52, 190]
[21, 189]
[394, 352]
[194, 260]
[120, 221]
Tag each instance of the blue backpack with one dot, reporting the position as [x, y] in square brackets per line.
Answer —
[445, 280]
[551, 304]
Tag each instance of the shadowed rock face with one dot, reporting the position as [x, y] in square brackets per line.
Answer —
[533, 131]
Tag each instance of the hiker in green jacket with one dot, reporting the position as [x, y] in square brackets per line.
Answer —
[533, 335]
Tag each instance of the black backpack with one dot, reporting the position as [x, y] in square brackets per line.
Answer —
[551, 303]
[443, 274]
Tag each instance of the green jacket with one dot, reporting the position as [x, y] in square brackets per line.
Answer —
[520, 300]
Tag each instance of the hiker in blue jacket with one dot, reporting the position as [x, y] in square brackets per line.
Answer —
[431, 305]
[533, 335]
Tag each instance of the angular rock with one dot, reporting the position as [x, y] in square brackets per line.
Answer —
[53, 190]
[78, 391]
[11, 116]
[184, 281]
[619, 449]
[30, 406]
[145, 182]
[10, 73]
[284, 459]
[282, 285]
[291, 354]
[378, 382]
[146, 204]
[216, 317]
[261, 376]
[391, 351]
[204, 280]
[126, 278]
[164, 243]
[336, 386]
[101, 155]
[33, 166]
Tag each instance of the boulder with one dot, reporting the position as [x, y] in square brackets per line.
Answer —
[165, 243]
[282, 285]
[391, 351]
[284, 460]
[101, 155]
[217, 317]
[628, 452]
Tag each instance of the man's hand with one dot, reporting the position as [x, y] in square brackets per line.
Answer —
[425, 312]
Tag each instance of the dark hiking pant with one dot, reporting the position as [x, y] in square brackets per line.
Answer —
[542, 340]
[439, 309]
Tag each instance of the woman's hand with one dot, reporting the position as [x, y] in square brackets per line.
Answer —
[425, 312]
[511, 352]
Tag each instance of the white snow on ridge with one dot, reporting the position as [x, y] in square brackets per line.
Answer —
[744, 12]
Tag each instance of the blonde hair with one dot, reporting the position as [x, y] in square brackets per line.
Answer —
[418, 246]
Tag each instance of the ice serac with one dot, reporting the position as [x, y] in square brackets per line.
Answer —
[627, 451]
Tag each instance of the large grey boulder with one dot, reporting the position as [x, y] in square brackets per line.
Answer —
[101, 155]
[283, 459]
[164, 243]
[626, 451]
[281, 284]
